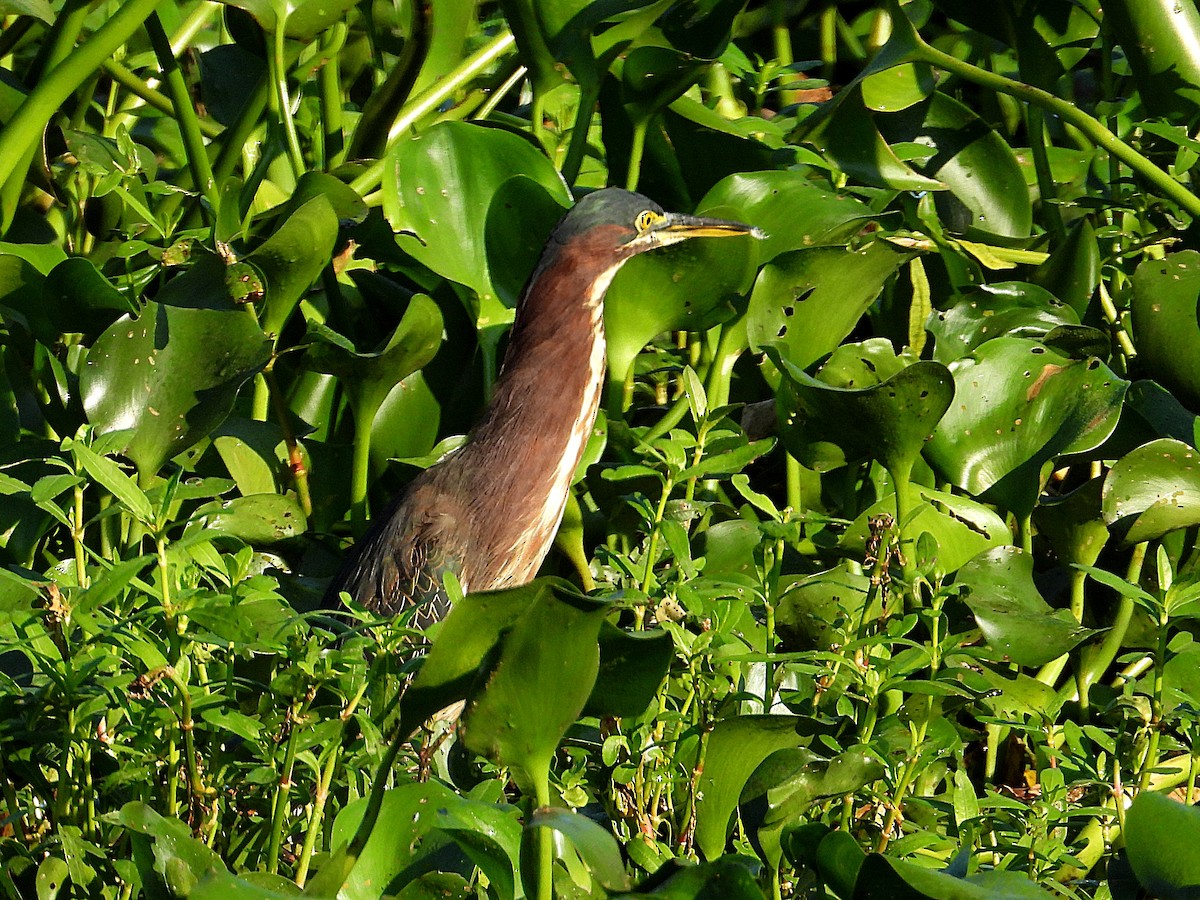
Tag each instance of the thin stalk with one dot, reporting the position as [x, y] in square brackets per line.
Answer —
[637, 147]
[283, 792]
[1035, 123]
[435, 96]
[280, 97]
[1150, 763]
[20, 136]
[333, 142]
[153, 98]
[1092, 129]
[77, 535]
[907, 775]
[1093, 665]
[185, 114]
[652, 544]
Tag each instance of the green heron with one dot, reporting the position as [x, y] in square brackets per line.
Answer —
[489, 511]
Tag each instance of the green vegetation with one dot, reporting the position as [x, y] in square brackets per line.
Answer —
[888, 528]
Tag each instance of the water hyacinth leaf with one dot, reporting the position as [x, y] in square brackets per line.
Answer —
[79, 299]
[369, 377]
[898, 88]
[793, 211]
[633, 665]
[521, 216]
[51, 878]
[1006, 309]
[689, 287]
[814, 610]
[1073, 523]
[887, 878]
[345, 202]
[169, 377]
[410, 821]
[851, 137]
[1014, 619]
[1016, 404]
[1165, 328]
[543, 675]
[1160, 838]
[961, 528]
[895, 404]
[806, 302]
[1153, 490]
[986, 195]
[736, 747]
[1073, 269]
[730, 877]
[438, 191]
[255, 519]
[594, 843]
[290, 260]
[1160, 39]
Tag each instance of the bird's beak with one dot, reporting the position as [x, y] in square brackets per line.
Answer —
[678, 227]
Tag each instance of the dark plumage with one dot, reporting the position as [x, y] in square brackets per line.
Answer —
[489, 511]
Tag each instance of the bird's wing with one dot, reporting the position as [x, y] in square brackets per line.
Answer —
[401, 561]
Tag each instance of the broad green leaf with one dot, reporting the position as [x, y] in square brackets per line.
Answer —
[894, 402]
[1019, 404]
[1152, 491]
[595, 844]
[544, 672]
[736, 747]
[816, 608]
[438, 193]
[633, 665]
[169, 377]
[806, 302]
[898, 88]
[291, 259]
[1161, 41]
[730, 878]
[412, 818]
[1162, 838]
[986, 193]
[519, 220]
[794, 211]
[1073, 523]
[1165, 328]
[1015, 620]
[51, 878]
[40, 9]
[255, 519]
[79, 299]
[1073, 269]
[961, 528]
[1006, 309]
[887, 878]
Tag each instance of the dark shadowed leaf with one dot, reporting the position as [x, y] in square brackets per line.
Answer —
[1162, 838]
[1014, 618]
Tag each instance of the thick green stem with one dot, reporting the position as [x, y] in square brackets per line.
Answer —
[1093, 130]
[21, 134]
[1093, 665]
[637, 147]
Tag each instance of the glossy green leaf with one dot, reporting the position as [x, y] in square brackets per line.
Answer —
[255, 519]
[594, 843]
[633, 665]
[1073, 269]
[51, 878]
[806, 302]
[815, 609]
[689, 287]
[1006, 309]
[169, 377]
[894, 402]
[886, 878]
[794, 211]
[736, 747]
[1161, 40]
[291, 259]
[898, 88]
[728, 878]
[1015, 620]
[438, 194]
[1162, 838]
[977, 166]
[543, 675]
[1073, 523]
[415, 814]
[1018, 404]
[519, 220]
[1165, 328]
[961, 528]
[1152, 491]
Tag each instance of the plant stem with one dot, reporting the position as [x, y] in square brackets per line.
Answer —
[637, 147]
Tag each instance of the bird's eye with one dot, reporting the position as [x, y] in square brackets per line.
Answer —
[645, 220]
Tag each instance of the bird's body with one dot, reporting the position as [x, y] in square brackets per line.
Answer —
[489, 512]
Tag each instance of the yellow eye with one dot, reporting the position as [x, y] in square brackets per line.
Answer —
[645, 220]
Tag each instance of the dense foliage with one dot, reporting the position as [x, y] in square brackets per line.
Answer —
[880, 577]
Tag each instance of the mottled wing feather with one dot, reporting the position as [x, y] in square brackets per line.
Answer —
[400, 563]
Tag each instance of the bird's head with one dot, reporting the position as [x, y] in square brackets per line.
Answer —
[632, 224]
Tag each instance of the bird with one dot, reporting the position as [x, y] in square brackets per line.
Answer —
[489, 511]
